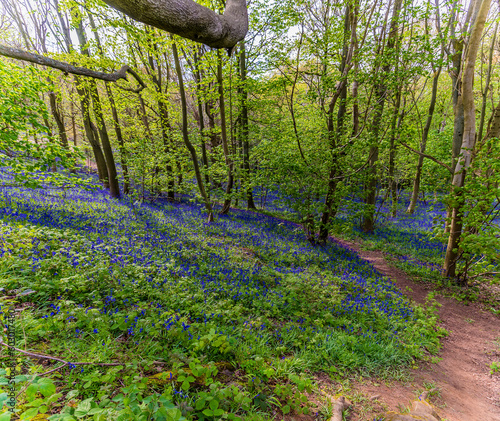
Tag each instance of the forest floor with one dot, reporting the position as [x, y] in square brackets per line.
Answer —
[464, 389]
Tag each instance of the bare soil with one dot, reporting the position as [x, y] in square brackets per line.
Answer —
[466, 391]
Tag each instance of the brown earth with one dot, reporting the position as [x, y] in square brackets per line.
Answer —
[467, 391]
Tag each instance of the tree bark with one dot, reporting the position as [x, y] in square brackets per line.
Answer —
[487, 84]
[114, 186]
[335, 136]
[423, 144]
[468, 142]
[91, 132]
[185, 136]
[114, 112]
[66, 68]
[190, 20]
[225, 147]
[371, 185]
[201, 120]
[244, 127]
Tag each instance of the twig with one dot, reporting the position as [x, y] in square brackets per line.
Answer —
[51, 371]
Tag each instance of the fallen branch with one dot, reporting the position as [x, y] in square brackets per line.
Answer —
[48, 357]
[17, 54]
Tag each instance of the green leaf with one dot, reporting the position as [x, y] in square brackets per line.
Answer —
[5, 416]
[46, 387]
[72, 394]
[53, 398]
[214, 404]
[29, 414]
[31, 391]
[83, 408]
[208, 412]
[95, 411]
[36, 403]
[286, 409]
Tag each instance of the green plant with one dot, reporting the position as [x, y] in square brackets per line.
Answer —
[494, 367]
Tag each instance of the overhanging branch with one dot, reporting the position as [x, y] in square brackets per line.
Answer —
[190, 20]
[17, 54]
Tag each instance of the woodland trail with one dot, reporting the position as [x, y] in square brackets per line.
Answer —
[467, 390]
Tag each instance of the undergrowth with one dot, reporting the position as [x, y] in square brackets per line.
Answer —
[155, 314]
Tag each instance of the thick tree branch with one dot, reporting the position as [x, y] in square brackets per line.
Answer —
[190, 20]
[68, 68]
[437, 161]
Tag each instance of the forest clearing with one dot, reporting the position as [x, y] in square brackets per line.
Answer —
[265, 210]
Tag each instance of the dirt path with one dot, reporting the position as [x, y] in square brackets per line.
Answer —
[467, 390]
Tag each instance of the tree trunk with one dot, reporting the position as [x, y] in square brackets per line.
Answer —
[244, 128]
[116, 121]
[225, 147]
[423, 144]
[114, 186]
[201, 121]
[371, 184]
[487, 84]
[336, 136]
[185, 136]
[91, 133]
[59, 119]
[395, 125]
[468, 142]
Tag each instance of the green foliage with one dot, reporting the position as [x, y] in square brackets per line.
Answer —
[494, 367]
[26, 147]
[480, 239]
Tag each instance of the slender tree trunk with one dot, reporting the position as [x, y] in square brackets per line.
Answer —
[114, 186]
[458, 108]
[336, 136]
[59, 119]
[395, 124]
[423, 144]
[225, 147]
[114, 112]
[487, 83]
[371, 184]
[185, 136]
[468, 142]
[91, 132]
[119, 137]
[166, 128]
[244, 128]
[198, 75]
[73, 123]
